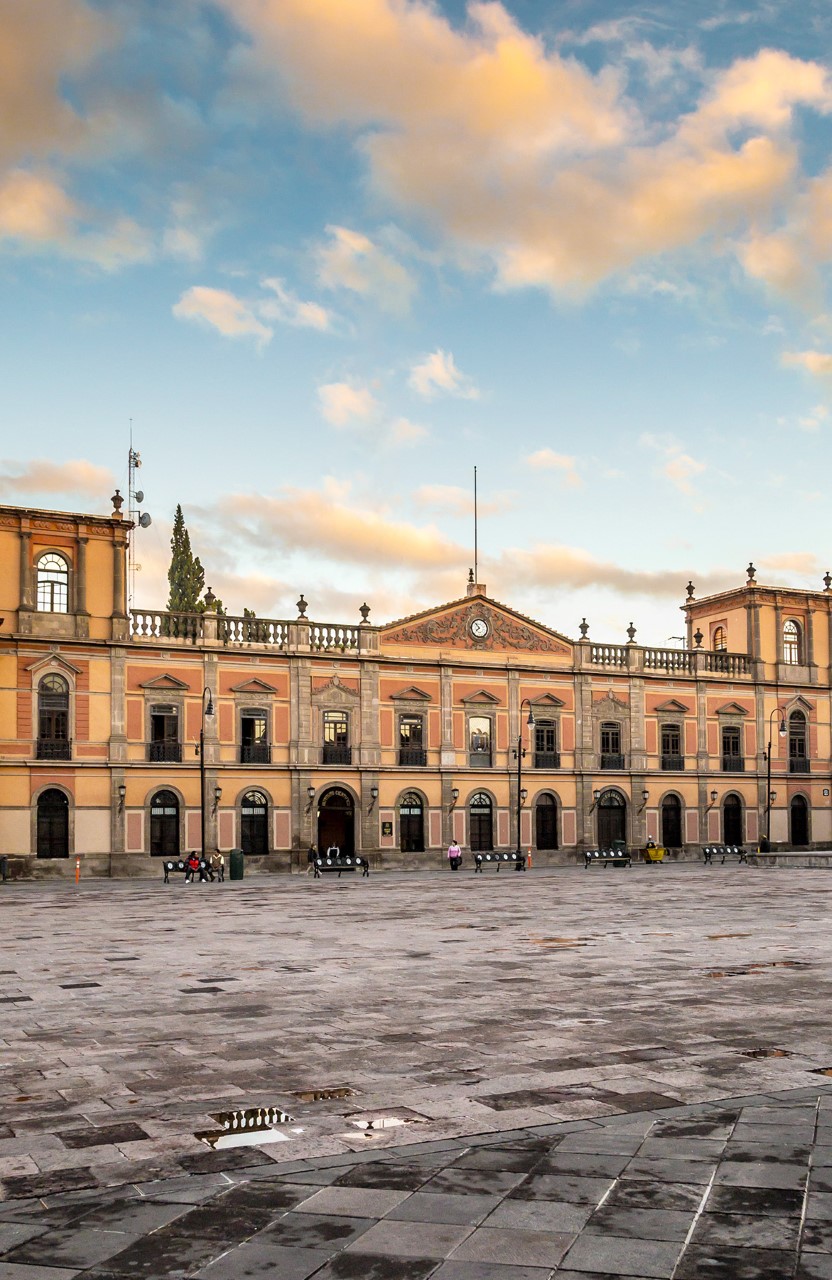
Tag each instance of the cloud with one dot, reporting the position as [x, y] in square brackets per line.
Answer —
[343, 403]
[404, 432]
[542, 565]
[438, 373]
[351, 261]
[818, 363]
[460, 502]
[524, 157]
[76, 476]
[289, 308]
[222, 311]
[548, 460]
[679, 467]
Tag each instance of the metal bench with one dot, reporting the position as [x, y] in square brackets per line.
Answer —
[723, 851]
[179, 864]
[322, 865]
[499, 859]
[606, 858]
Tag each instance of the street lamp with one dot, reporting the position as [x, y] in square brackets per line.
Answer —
[207, 710]
[519, 753]
[776, 711]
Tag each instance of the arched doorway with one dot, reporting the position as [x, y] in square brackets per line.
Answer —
[546, 822]
[672, 822]
[336, 821]
[732, 823]
[481, 815]
[53, 824]
[612, 819]
[254, 823]
[411, 823]
[164, 825]
[798, 821]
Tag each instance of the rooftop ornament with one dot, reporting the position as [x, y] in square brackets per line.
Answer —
[364, 611]
[584, 628]
[631, 633]
[698, 638]
[751, 571]
[118, 502]
[690, 590]
[302, 606]
[827, 580]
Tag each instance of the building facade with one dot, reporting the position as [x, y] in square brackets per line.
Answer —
[127, 735]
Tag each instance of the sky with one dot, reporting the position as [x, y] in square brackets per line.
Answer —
[327, 256]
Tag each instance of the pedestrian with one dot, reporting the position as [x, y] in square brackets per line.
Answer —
[310, 859]
[334, 851]
[454, 855]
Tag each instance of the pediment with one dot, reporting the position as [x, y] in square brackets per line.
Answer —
[411, 694]
[547, 700]
[477, 624]
[335, 694]
[482, 695]
[254, 685]
[673, 705]
[731, 709]
[610, 699]
[165, 681]
[800, 704]
[53, 660]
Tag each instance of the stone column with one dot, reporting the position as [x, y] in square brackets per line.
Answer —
[809, 656]
[119, 614]
[27, 594]
[81, 577]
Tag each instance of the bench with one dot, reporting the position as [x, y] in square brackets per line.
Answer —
[759, 857]
[497, 860]
[606, 858]
[723, 851]
[321, 865]
[179, 864]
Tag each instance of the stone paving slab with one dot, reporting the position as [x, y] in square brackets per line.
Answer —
[596, 1076]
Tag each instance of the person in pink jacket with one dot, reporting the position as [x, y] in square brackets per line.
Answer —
[454, 855]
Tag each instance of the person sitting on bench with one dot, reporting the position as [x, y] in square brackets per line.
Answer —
[333, 851]
[193, 864]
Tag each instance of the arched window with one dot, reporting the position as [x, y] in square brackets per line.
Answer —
[164, 825]
[798, 821]
[732, 823]
[720, 641]
[53, 584]
[546, 822]
[612, 819]
[672, 822]
[53, 719]
[53, 824]
[481, 816]
[254, 823]
[791, 643]
[411, 823]
[611, 757]
[798, 755]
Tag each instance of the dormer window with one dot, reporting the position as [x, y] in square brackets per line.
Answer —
[720, 640]
[53, 584]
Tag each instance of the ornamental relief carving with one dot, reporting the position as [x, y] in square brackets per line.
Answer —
[455, 629]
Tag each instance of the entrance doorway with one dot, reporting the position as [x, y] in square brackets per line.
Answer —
[164, 825]
[732, 825]
[411, 823]
[798, 821]
[53, 824]
[612, 819]
[672, 822]
[254, 823]
[336, 821]
[546, 822]
[481, 822]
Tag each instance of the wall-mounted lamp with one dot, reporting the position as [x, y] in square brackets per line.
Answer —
[714, 795]
[596, 796]
[523, 794]
[217, 797]
[772, 796]
[373, 798]
[454, 796]
[310, 796]
[645, 796]
[122, 792]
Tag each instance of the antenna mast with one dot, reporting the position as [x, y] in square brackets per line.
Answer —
[138, 519]
[476, 564]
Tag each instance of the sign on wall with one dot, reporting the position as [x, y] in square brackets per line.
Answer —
[387, 828]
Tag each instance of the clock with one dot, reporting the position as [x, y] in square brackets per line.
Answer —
[479, 628]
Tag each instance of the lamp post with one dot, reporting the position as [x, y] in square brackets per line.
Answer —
[776, 711]
[519, 753]
[206, 711]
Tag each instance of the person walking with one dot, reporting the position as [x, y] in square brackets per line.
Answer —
[310, 859]
[454, 855]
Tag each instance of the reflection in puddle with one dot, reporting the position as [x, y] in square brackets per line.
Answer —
[766, 1053]
[370, 1122]
[324, 1095]
[250, 1128]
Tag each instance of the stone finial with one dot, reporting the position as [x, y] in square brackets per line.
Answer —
[364, 611]
[827, 580]
[698, 638]
[690, 590]
[210, 599]
[302, 606]
[118, 503]
[631, 634]
[584, 628]
[470, 575]
[751, 571]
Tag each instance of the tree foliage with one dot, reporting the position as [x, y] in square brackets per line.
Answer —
[186, 575]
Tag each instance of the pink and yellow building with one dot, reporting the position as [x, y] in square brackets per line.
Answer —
[389, 739]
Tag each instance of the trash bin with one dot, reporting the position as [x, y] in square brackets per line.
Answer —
[619, 846]
[237, 865]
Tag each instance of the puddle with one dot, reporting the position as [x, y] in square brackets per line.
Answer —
[250, 1128]
[766, 1053]
[324, 1095]
[370, 1122]
[740, 970]
[821, 1071]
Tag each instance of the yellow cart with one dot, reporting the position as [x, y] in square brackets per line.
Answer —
[654, 853]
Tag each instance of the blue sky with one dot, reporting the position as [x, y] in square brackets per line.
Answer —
[329, 256]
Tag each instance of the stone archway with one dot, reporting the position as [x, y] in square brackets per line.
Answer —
[336, 821]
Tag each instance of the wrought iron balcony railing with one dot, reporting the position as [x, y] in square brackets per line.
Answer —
[333, 754]
[415, 757]
[255, 753]
[547, 759]
[673, 764]
[733, 764]
[164, 752]
[54, 749]
[798, 764]
[612, 760]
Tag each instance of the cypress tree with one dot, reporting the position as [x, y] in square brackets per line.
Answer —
[186, 574]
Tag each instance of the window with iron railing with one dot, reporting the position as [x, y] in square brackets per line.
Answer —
[164, 746]
[671, 744]
[53, 719]
[254, 738]
[732, 757]
[411, 741]
[798, 754]
[336, 748]
[612, 756]
[546, 754]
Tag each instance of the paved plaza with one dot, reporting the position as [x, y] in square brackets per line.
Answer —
[501, 1077]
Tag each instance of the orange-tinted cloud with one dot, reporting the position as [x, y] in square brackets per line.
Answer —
[818, 363]
[222, 311]
[43, 476]
[548, 460]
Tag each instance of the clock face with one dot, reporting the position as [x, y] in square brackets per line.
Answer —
[479, 628]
